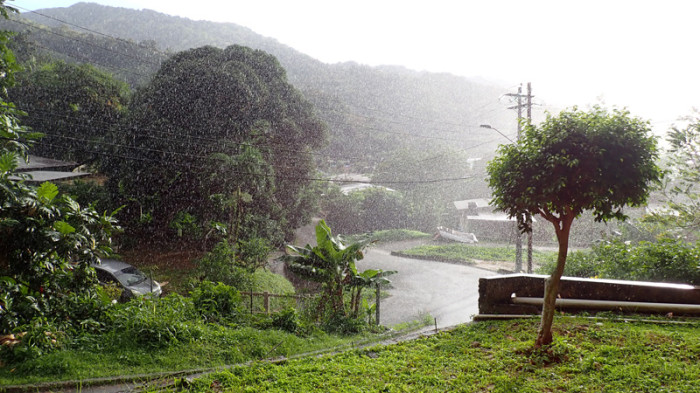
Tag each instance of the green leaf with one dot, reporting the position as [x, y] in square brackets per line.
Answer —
[47, 191]
[8, 162]
[63, 227]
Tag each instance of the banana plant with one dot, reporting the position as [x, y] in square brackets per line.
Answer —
[367, 279]
[330, 262]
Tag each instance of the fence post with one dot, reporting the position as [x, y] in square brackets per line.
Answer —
[378, 301]
[251, 302]
[266, 298]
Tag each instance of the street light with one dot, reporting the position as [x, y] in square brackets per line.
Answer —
[518, 241]
[496, 129]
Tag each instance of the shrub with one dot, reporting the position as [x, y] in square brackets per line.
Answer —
[33, 340]
[217, 301]
[287, 320]
[153, 323]
[220, 265]
[667, 260]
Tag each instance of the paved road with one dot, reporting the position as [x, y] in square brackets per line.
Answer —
[447, 292]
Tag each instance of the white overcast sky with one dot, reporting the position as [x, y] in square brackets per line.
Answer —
[641, 55]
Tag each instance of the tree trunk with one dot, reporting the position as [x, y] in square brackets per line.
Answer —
[551, 287]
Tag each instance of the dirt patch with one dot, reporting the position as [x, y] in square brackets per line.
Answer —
[164, 257]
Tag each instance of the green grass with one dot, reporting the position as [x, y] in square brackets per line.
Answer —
[390, 235]
[468, 253]
[587, 356]
[217, 346]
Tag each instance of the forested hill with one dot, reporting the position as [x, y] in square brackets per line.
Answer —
[371, 111]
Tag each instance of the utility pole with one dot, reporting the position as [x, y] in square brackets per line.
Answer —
[528, 217]
[518, 241]
[518, 236]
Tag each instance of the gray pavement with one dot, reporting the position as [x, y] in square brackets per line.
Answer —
[446, 292]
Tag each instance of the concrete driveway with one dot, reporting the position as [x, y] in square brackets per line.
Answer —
[446, 292]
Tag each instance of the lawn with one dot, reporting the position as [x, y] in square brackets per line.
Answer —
[588, 355]
[468, 253]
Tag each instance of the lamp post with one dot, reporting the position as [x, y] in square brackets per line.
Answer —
[518, 238]
[496, 129]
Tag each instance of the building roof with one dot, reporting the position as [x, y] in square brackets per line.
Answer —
[42, 176]
[41, 169]
[43, 163]
[479, 203]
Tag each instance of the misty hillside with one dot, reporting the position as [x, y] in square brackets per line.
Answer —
[371, 111]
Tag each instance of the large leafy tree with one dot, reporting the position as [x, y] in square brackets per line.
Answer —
[578, 161]
[191, 128]
[72, 105]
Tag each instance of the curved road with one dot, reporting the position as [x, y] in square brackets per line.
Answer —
[446, 292]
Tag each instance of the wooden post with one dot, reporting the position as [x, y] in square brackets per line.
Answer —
[377, 302]
[251, 302]
[266, 299]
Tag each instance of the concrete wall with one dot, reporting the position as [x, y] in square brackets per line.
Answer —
[495, 292]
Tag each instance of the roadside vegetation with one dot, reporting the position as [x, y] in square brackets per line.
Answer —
[468, 253]
[587, 355]
[667, 260]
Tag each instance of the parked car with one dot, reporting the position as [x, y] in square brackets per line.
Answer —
[133, 281]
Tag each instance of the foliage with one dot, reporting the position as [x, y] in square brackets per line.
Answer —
[332, 263]
[365, 210]
[288, 320]
[217, 301]
[222, 264]
[428, 203]
[590, 356]
[222, 135]
[48, 240]
[117, 353]
[667, 260]
[153, 323]
[72, 105]
[597, 160]
[681, 192]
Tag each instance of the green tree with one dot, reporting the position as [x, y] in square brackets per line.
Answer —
[576, 161]
[681, 183]
[430, 182]
[214, 122]
[72, 105]
[48, 240]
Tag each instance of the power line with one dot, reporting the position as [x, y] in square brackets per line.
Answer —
[301, 178]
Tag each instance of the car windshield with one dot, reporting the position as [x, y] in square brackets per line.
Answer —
[130, 276]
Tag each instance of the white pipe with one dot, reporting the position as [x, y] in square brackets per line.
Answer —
[613, 304]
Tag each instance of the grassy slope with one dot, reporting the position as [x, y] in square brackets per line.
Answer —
[467, 253]
[587, 356]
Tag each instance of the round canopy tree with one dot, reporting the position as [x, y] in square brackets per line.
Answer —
[597, 161]
[213, 124]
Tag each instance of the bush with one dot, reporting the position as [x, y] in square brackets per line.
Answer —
[667, 260]
[217, 301]
[35, 339]
[365, 211]
[153, 323]
[220, 265]
[287, 320]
